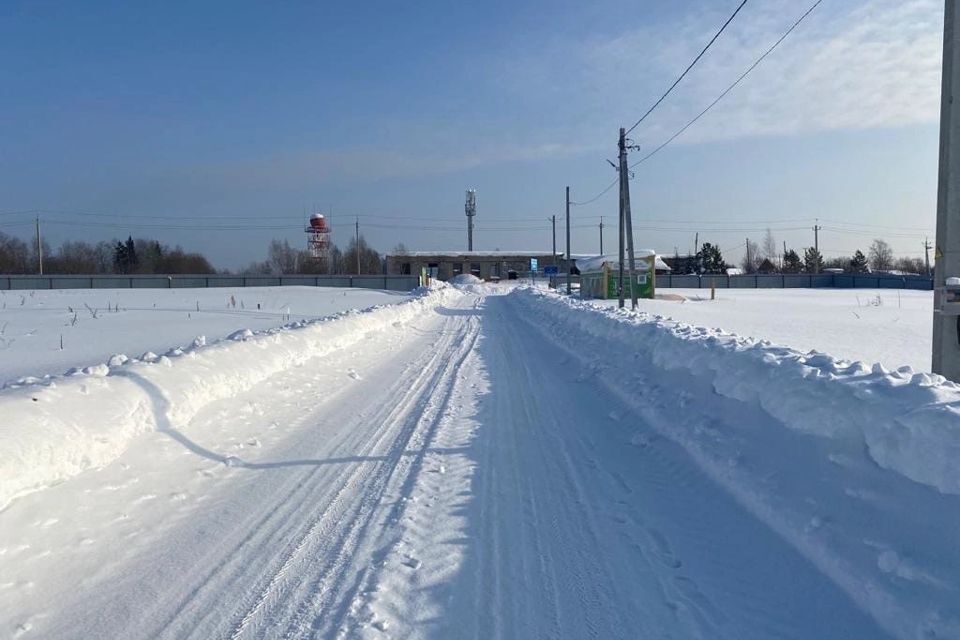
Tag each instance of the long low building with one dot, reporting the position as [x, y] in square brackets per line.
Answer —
[486, 265]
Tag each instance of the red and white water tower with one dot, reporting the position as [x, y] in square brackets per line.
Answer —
[318, 238]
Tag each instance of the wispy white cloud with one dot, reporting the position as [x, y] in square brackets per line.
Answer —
[873, 65]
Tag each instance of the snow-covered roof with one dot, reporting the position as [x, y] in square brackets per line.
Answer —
[472, 254]
[595, 262]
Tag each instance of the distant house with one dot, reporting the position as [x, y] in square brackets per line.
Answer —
[766, 266]
[486, 265]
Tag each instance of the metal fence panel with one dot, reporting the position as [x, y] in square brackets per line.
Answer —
[335, 281]
[684, 282]
[188, 282]
[795, 281]
[110, 282]
[370, 282]
[769, 281]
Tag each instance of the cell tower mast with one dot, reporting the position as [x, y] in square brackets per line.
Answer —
[471, 209]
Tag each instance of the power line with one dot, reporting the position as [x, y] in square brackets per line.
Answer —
[731, 87]
[597, 197]
[877, 226]
[687, 70]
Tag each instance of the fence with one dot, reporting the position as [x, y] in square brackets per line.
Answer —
[797, 281]
[391, 283]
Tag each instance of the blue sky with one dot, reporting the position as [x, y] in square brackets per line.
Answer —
[159, 117]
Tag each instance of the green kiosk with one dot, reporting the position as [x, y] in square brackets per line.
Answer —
[599, 276]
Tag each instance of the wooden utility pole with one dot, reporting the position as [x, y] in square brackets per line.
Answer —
[39, 248]
[601, 235]
[946, 255]
[816, 244]
[358, 246]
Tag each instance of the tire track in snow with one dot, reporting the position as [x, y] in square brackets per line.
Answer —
[270, 529]
[326, 550]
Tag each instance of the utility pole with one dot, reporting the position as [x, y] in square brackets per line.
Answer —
[358, 246]
[621, 257]
[39, 247]
[816, 243]
[601, 235]
[569, 261]
[946, 255]
[749, 263]
[627, 215]
[926, 255]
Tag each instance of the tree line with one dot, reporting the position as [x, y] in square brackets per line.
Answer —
[147, 256]
[766, 257]
[358, 258]
[130, 256]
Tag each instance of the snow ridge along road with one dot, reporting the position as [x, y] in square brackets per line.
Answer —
[486, 466]
[70, 424]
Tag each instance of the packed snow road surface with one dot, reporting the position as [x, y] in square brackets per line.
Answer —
[465, 465]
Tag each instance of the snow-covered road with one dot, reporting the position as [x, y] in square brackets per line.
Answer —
[456, 475]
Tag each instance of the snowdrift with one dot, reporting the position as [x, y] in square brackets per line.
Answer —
[854, 465]
[86, 419]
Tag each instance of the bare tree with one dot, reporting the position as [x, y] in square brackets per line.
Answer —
[14, 255]
[751, 257]
[880, 255]
[910, 265]
[769, 248]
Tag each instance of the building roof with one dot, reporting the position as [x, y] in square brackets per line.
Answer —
[595, 262]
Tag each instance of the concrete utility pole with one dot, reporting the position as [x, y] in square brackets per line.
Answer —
[926, 255]
[569, 260]
[628, 216]
[621, 256]
[946, 328]
[39, 248]
[358, 246]
[816, 243]
[601, 235]
[749, 263]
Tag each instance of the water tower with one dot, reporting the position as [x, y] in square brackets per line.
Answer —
[318, 238]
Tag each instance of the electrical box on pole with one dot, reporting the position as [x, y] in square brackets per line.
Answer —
[946, 278]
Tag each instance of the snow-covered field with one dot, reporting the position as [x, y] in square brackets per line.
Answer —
[490, 462]
[95, 324]
[892, 327]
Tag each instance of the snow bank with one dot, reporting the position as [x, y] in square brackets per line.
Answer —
[87, 418]
[465, 278]
[854, 465]
[908, 422]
